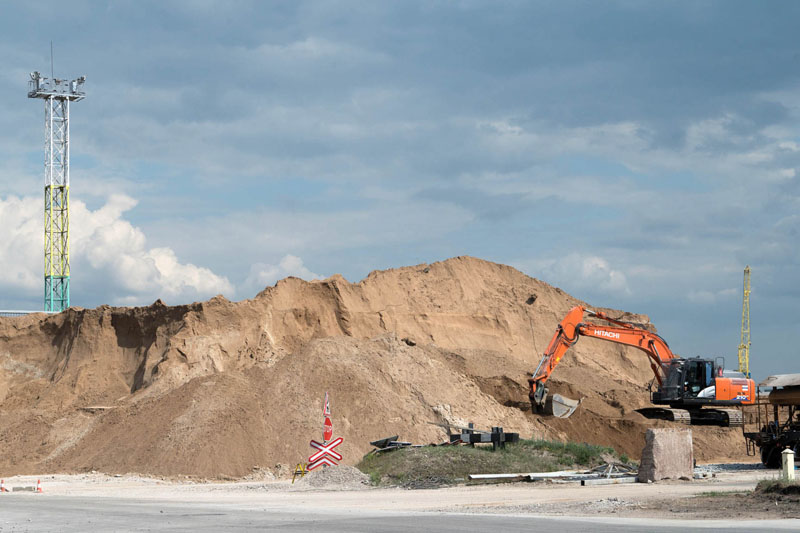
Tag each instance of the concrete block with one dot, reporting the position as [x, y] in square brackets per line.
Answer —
[667, 454]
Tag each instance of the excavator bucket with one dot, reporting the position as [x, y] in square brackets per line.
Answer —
[560, 406]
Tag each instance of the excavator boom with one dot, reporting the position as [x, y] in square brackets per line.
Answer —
[674, 381]
[572, 327]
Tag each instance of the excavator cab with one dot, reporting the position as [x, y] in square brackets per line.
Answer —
[699, 376]
[686, 378]
[672, 389]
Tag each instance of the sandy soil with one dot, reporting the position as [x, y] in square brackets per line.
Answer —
[222, 389]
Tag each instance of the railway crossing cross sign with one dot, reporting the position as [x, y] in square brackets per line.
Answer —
[326, 454]
[324, 461]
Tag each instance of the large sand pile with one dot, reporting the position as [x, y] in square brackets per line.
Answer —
[216, 388]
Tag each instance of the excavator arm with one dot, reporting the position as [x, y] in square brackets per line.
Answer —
[564, 337]
[571, 328]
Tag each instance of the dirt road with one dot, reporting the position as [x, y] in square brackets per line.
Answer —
[517, 498]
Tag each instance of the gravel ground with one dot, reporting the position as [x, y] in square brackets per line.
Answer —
[334, 478]
[603, 506]
[729, 467]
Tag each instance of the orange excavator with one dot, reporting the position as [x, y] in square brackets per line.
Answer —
[695, 391]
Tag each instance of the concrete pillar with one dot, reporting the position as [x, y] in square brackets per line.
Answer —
[787, 456]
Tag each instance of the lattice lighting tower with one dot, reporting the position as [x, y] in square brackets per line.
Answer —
[744, 344]
[57, 95]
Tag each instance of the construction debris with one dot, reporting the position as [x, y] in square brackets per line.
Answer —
[533, 476]
[469, 435]
[613, 469]
[606, 473]
[609, 481]
[497, 437]
[28, 488]
[389, 444]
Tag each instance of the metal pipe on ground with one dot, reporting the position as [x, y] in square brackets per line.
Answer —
[609, 481]
[532, 475]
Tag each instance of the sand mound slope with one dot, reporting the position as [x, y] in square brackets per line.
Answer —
[215, 388]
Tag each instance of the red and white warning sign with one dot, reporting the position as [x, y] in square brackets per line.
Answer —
[325, 454]
[327, 426]
[322, 462]
[325, 449]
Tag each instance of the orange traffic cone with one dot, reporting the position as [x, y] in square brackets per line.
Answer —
[3, 486]
[39, 485]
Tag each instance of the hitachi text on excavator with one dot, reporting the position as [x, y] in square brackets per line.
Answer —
[696, 390]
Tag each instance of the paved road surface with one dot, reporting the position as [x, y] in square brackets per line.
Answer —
[41, 513]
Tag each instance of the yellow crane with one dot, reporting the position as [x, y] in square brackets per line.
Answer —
[744, 344]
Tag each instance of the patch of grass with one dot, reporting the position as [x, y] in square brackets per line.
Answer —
[432, 466]
[374, 477]
[778, 486]
[569, 453]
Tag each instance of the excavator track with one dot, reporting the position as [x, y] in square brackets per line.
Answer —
[681, 416]
[735, 417]
[717, 417]
[696, 417]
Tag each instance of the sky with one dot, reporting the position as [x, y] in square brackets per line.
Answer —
[636, 154]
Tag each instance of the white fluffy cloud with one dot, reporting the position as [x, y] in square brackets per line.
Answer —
[109, 258]
[705, 297]
[262, 274]
[579, 274]
[21, 260]
[115, 247]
